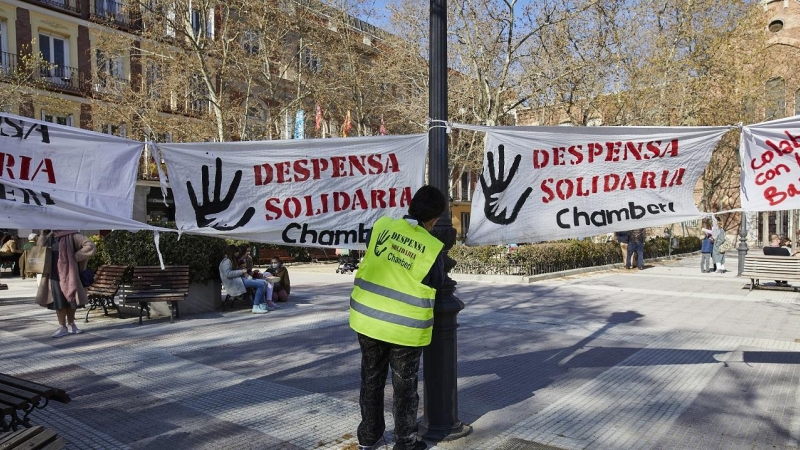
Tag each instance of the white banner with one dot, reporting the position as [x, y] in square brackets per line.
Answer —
[770, 155]
[315, 192]
[546, 183]
[55, 176]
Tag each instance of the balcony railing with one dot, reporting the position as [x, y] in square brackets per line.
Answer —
[61, 77]
[108, 84]
[73, 6]
[116, 13]
[8, 64]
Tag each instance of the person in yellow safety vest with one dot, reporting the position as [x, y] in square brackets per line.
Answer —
[391, 309]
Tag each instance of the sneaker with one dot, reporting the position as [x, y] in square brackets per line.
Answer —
[257, 309]
[73, 329]
[273, 305]
[60, 332]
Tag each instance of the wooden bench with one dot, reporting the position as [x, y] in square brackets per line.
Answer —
[102, 292]
[151, 284]
[321, 254]
[758, 267]
[22, 396]
[34, 438]
[265, 256]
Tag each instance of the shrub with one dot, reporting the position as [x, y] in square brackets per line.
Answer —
[201, 253]
[532, 259]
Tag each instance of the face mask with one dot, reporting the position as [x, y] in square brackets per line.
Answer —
[274, 265]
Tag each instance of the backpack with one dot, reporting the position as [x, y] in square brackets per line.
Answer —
[728, 244]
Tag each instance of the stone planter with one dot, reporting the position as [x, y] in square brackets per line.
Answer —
[202, 298]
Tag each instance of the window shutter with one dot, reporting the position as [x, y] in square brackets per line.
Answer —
[210, 24]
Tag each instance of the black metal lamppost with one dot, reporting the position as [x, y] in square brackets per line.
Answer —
[440, 359]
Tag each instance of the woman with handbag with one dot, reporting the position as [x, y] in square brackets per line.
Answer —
[61, 288]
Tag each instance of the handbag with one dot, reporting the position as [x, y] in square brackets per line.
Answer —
[728, 244]
[87, 277]
[38, 260]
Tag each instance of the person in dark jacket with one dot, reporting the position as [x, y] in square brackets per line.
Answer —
[622, 238]
[636, 245]
[706, 247]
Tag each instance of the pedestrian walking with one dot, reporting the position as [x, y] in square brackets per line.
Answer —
[391, 309]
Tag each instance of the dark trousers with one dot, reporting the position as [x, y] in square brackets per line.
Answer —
[376, 357]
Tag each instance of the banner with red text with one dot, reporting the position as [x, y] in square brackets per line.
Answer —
[60, 177]
[770, 155]
[546, 183]
[314, 192]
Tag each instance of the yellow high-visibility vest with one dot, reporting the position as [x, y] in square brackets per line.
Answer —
[389, 302]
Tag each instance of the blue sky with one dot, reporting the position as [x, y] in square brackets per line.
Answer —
[375, 12]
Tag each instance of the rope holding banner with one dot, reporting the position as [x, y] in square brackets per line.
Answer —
[445, 124]
[162, 177]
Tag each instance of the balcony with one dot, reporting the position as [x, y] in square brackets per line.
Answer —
[61, 78]
[106, 84]
[69, 6]
[8, 64]
[189, 108]
[116, 14]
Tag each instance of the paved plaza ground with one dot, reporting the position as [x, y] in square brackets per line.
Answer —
[664, 358]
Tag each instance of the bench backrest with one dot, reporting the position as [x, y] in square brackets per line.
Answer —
[151, 279]
[36, 388]
[772, 265]
[106, 281]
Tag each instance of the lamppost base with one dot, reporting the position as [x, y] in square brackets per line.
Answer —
[437, 434]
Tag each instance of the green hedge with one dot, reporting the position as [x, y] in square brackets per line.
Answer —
[533, 259]
[202, 254]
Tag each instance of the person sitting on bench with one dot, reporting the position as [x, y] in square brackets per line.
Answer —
[775, 249]
[10, 254]
[282, 288]
[236, 284]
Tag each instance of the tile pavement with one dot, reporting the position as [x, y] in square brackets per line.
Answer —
[665, 358]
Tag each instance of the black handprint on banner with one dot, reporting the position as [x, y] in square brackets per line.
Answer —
[216, 206]
[382, 238]
[499, 183]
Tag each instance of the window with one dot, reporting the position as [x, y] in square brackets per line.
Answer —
[55, 53]
[109, 69]
[169, 30]
[152, 77]
[797, 102]
[57, 118]
[775, 99]
[5, 58]
[116, 130]
[108, 9]
[251, 42]
[465, 185]
[197, 95]
[202, 23]
[310, 61]
[775, 26]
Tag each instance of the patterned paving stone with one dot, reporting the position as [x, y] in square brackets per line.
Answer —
[659, 359]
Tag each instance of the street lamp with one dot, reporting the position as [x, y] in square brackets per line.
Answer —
[440, 358]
